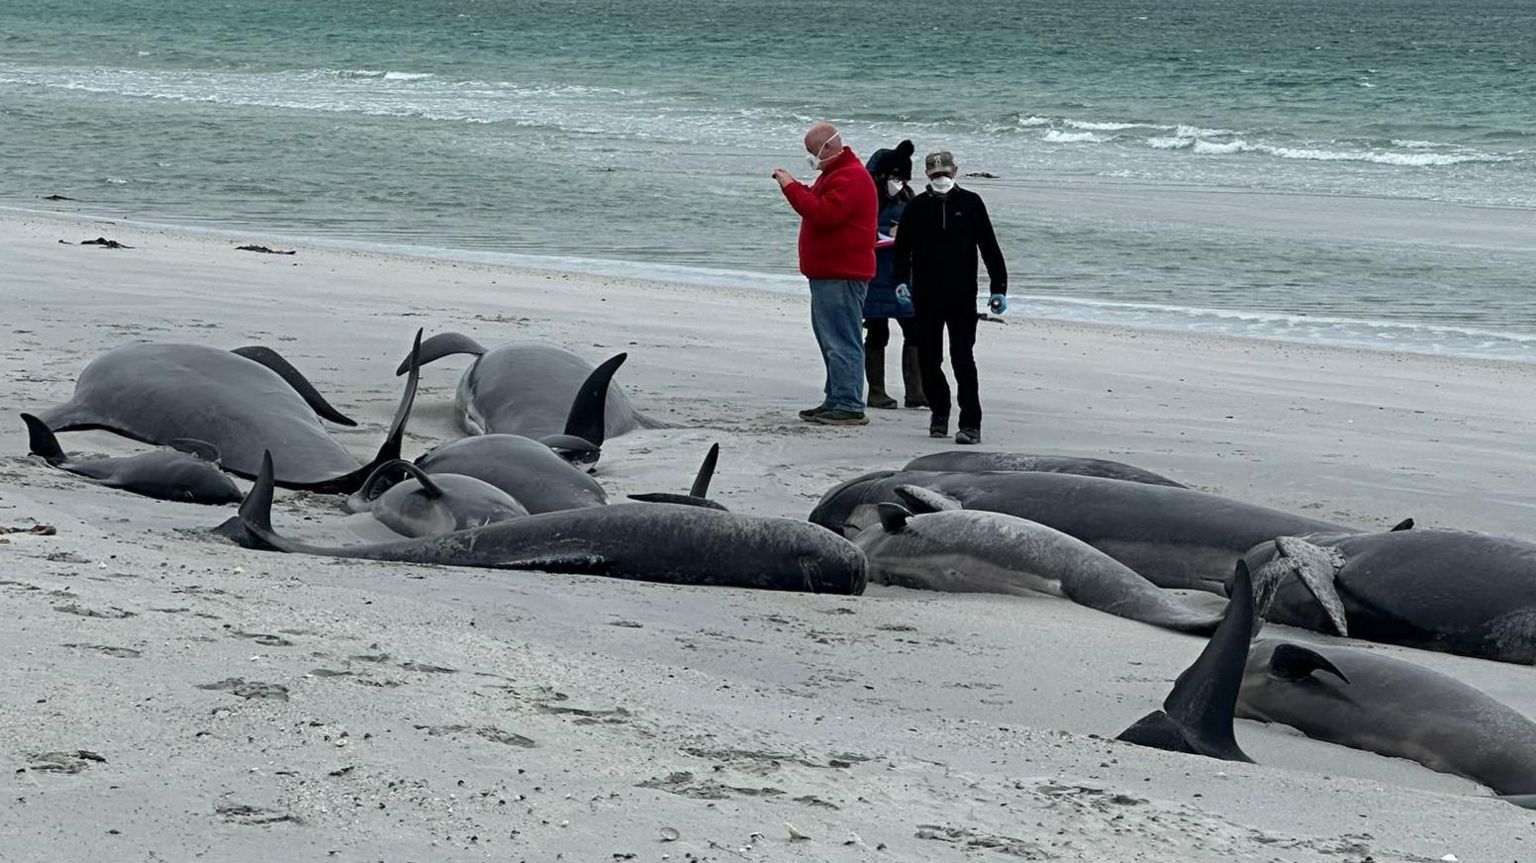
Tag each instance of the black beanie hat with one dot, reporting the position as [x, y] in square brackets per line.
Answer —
[898, 162]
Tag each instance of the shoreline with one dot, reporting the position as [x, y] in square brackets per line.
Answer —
[1256, 325]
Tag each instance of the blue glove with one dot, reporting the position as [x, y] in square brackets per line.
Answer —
[998, 304]
[904, 293]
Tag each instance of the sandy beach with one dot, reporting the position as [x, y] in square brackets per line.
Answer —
[170, 696]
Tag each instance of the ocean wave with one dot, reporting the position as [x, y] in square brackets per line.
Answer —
[382, 74]
[1092, 126]
[1056, 136]
[1418, 158]
[1218, 148]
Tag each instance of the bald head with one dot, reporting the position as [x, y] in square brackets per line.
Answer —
[823, 141]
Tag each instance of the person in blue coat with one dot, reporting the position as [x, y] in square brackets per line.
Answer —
[892, 171]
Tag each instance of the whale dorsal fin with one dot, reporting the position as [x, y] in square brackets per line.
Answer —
[696, 496]
[42, 442]
[1317, 567]
[442, 345]
[1293, 662]
[294, 378]
[588, 417]
[893, 517]
[922, 500]
[1405, 524]
[706, 473]
[1204, 697]
[200, 448]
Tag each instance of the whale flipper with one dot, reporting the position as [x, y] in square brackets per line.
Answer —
[442, 345]
[893, 517]
[199, 448]
[1293, 662]
[921, 500]
[1197, 714]
[388, 474]
[301, 385]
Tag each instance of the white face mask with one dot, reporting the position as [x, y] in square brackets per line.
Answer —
[894, 187]
[941, 185]
[815, 161]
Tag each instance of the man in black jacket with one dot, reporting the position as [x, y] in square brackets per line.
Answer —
[941, 233]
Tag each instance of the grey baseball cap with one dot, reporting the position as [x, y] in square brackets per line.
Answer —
[942, 162]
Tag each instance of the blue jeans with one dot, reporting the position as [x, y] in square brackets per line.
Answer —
[837, 317]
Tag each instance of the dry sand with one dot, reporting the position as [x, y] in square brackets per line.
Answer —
[240, 705]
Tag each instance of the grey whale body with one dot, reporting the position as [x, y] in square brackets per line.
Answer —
[187, 474]
[1453, 591]
[1393, 708]
[527, 388]
[970, 461]
[1174, 537]
[242, 405]
[656, 542]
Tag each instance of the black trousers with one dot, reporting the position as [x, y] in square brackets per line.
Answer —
[878, 332]
[961, 323]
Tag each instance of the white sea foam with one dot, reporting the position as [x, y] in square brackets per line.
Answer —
[1057, 136]
[1170, 143]
[1099, 127]
[1219, 148]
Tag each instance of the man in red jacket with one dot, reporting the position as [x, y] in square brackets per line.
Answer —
[837, 256]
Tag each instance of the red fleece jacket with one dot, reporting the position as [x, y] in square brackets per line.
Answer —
[837, 227]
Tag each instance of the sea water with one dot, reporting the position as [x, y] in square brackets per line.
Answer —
[1353, 171]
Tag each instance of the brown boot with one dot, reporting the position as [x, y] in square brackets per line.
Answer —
[874, 369]
[912, 378]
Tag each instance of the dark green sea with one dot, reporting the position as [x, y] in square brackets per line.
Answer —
[1354, 171]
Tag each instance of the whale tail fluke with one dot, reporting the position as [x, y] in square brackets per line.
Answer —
[1197, 714]
[42, 442]
[1317, 567]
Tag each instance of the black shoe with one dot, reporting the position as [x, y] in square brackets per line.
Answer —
[968, 436]
[809, 413]
[938, 428]
[835, 417]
